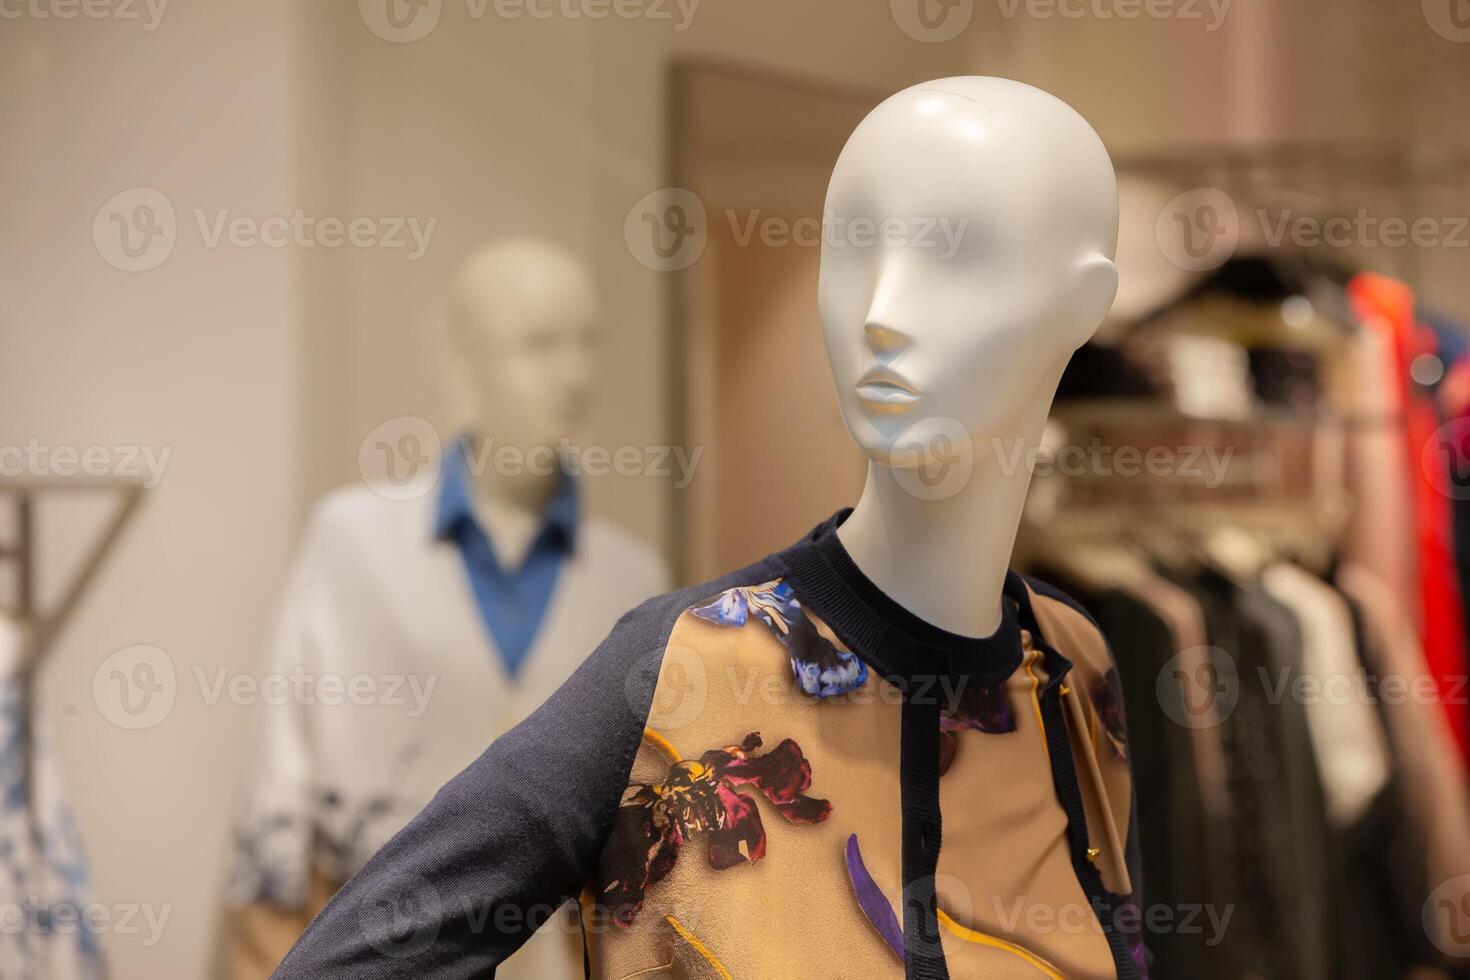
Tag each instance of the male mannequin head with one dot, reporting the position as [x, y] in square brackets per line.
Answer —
[924, 332]
[523, 333]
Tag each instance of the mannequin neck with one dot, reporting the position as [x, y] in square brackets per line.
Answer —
[946, 560]
[510, 501]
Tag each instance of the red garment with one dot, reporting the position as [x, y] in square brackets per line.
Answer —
[1387, 305]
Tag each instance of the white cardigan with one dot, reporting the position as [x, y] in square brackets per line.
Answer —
[394, 686]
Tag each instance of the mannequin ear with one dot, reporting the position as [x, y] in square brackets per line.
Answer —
[1093, 288]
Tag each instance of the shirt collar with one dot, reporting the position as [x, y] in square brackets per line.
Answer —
[456, 500]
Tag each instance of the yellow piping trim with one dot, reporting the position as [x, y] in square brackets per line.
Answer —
[1036, 695]
[662, 744]
[702, 949]
[980, 939]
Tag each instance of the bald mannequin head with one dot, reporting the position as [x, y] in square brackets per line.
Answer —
[523, 330]
[1002, 216]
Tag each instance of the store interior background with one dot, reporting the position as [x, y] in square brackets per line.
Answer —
[263, 370]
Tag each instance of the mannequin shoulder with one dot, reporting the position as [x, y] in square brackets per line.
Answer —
[634, 562]
[648, 626]
[346, 517]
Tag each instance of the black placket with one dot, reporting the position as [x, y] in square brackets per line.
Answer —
[926, 663]
[922, 836]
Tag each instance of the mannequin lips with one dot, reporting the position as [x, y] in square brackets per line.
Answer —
[882, 388]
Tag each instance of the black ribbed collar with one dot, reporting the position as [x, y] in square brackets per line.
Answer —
[894, 641]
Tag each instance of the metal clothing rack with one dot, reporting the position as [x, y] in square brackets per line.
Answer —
[40, 627]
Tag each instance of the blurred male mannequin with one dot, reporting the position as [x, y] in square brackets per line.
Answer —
[456, 611]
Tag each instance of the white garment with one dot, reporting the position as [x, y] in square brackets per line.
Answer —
[44, 891]
[1346, 732]
[375, 601]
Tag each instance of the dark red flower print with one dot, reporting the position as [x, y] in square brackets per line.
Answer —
[655, 821]
[978, 708]
[1107, 701]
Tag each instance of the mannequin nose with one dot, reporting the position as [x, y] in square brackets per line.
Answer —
[884, 339]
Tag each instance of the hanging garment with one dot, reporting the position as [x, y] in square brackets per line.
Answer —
[379, 600]
[45, 898]
[786, 773]
[1437, 798]
[1347, 735]
[1387, 306]
[1295, 833]
[1174, 827]
[1381, 533]
[1271, 934]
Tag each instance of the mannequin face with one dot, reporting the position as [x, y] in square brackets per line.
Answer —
[1001, 207]
[524, 341]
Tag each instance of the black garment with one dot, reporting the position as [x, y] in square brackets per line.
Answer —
[1259, 942]
[1296, 831]
[1172, 826]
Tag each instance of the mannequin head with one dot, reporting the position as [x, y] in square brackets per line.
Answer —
[523, 332]
[1002, 212]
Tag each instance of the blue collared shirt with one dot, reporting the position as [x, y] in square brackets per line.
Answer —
[513, 602]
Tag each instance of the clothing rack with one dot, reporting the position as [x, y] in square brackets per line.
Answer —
[42, 627]
[39, 628]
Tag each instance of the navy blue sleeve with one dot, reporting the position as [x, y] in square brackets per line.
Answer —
[506, 842]
[511, 838]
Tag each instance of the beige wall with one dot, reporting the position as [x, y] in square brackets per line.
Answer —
[261, 370]
[554, 127]
[197, 357]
